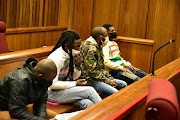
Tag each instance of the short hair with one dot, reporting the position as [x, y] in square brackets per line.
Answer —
[96, 32]
[107, 26]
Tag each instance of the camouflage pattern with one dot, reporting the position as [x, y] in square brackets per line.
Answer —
[93, 69]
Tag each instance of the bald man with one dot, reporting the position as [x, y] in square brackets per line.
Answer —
[93, 69]
[28, 84]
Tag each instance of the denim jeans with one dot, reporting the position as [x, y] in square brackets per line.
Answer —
[128, 77]
[108, 89]
[82, 96]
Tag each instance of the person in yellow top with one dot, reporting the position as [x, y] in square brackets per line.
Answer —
[118, 67]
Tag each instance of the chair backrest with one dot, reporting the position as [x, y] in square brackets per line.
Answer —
[3, 43]
[162, 103]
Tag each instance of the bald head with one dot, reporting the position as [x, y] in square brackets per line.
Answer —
[96, 32]
[46, 65]
[47, 69]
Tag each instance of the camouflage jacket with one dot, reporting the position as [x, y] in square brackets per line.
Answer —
[93, 69]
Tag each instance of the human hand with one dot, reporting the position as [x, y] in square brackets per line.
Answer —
[113, 84]
[78, 58]
[81, 82]
[133, 68]
[126, 70]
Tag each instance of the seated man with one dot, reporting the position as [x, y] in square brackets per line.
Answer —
[93, 64]
[67, 87]
[26, 85]
[118, 67]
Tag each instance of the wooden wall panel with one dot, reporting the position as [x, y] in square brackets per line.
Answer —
[35, 13]
[148, 19]
[161, 27]
[34, 37]
[105, 11]
[137, 51]
[82, 17]
[64, 12]
[177, 45]
[132, 18]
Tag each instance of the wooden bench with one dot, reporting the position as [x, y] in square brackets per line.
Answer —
[129, 103]
[10, 61]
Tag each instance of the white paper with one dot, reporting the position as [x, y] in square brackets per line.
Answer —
[66, 116]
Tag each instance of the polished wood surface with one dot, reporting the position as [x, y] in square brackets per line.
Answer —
[147, 19]
[34, 29]
[126, 96]
[10, 61]
[59, 109]
[133, 18]
[35, 13]
[33, 37]
[106, 11]
[136, 40]
[161, 27]
[137, 51]
[82, 17]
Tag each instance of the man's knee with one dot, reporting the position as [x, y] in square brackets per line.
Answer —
[137, 78]
[124, 84]
[86, 103]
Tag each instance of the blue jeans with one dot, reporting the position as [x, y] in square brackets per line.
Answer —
[82, 96]
[128, 77]
[108, 89]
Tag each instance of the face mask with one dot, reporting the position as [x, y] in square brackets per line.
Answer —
[106, 38]
[103, 39]
[44, 83]
[113, 35]
[75, 52]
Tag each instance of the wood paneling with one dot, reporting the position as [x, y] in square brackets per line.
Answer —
[10, 61]
[82, 17]
[148, 19]
[33, 37]
[161, 27]
[106, 11]
[137, 51]
[132, 18]
[34, 13]
[128, 17]
[177, 45]
[127, 98]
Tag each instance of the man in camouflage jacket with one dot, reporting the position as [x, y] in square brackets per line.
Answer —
[93, 69]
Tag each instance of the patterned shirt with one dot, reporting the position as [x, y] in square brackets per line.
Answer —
[93, 69]
[112, 58]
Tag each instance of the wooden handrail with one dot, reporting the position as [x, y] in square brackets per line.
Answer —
[135, 40]
[33, 29]
[110, 105]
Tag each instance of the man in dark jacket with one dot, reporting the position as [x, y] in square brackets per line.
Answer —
[28, 84]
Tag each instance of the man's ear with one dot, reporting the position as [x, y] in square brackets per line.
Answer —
[40, 76]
